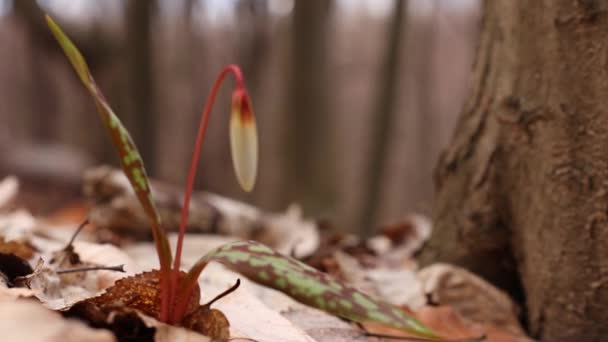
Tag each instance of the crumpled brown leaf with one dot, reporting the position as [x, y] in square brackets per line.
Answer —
[116, 207]
[12, 268]
[399, 241]
[141, 293]
[18, 248]
[470, 296]
[451, 326]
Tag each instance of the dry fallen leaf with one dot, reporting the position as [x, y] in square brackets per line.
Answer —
[116, 208]
[209, 322]
[18, 248]
[59, 290]
[9, 187]
[17, 225]
[471, 296]
[25, 320]
[10, 293]
[141, 293]
[171, 333]
[251, 318]
[249, 310]
[397, 285]
[323, 327]
[451, 326]
[12, 268]
[399, 241]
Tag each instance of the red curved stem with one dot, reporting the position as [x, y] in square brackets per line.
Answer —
[236, 71]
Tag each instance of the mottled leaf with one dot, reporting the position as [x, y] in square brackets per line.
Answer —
[130, 160]
[305, 284]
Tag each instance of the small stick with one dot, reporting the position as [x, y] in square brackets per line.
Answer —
[118, 268]
[225, 293]
[78, 230]
[69, 249]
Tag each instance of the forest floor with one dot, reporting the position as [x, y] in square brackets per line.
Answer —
[38, 298]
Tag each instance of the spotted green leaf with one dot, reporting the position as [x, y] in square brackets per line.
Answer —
[130, 160]
[306, 285]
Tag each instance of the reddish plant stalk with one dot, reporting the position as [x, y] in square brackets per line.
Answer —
[165, 286]
[167, 311]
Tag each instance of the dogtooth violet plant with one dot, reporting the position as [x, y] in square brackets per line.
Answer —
[252, 259]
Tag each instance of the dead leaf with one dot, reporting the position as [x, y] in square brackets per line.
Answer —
[17, 225]
[396, 285]
[116, 208]
[141, 293]
[209, 322]
[124, 323]
[8, 294]
[248, 310]
[58, 291]
[18, 248]
[171, 333]
[24, 320]
[471, 296]
[105, 254]
[13, 267]
[323, 327]
[251, 319]
[399, 241]
[8, 190]
[450, 326]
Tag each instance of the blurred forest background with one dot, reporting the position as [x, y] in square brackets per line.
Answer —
[354, 98]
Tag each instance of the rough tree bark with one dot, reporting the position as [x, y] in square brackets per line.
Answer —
[522, 191]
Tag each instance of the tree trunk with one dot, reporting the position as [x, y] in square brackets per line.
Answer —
[384, 117]
[522, 191]
[143, 117]
[309, 158]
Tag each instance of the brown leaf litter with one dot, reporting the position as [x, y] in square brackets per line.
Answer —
[141, 293]
[129, 307]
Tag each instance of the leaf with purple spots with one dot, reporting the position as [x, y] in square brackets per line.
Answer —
[304, 284]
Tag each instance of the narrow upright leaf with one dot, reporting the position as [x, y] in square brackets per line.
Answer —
[306, 285]
[130, 160]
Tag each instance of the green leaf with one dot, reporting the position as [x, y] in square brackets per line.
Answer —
[306, 285]
[130, 160]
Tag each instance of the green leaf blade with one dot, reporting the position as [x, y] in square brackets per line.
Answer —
[309, 286]
[130, 159]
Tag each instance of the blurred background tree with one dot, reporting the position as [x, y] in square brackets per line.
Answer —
[354, 98]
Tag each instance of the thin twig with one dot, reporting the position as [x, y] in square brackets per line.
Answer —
[225, 293]
[69, 249]
[118, 268]
[78, 230]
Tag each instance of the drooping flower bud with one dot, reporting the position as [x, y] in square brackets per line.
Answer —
[243, 139]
